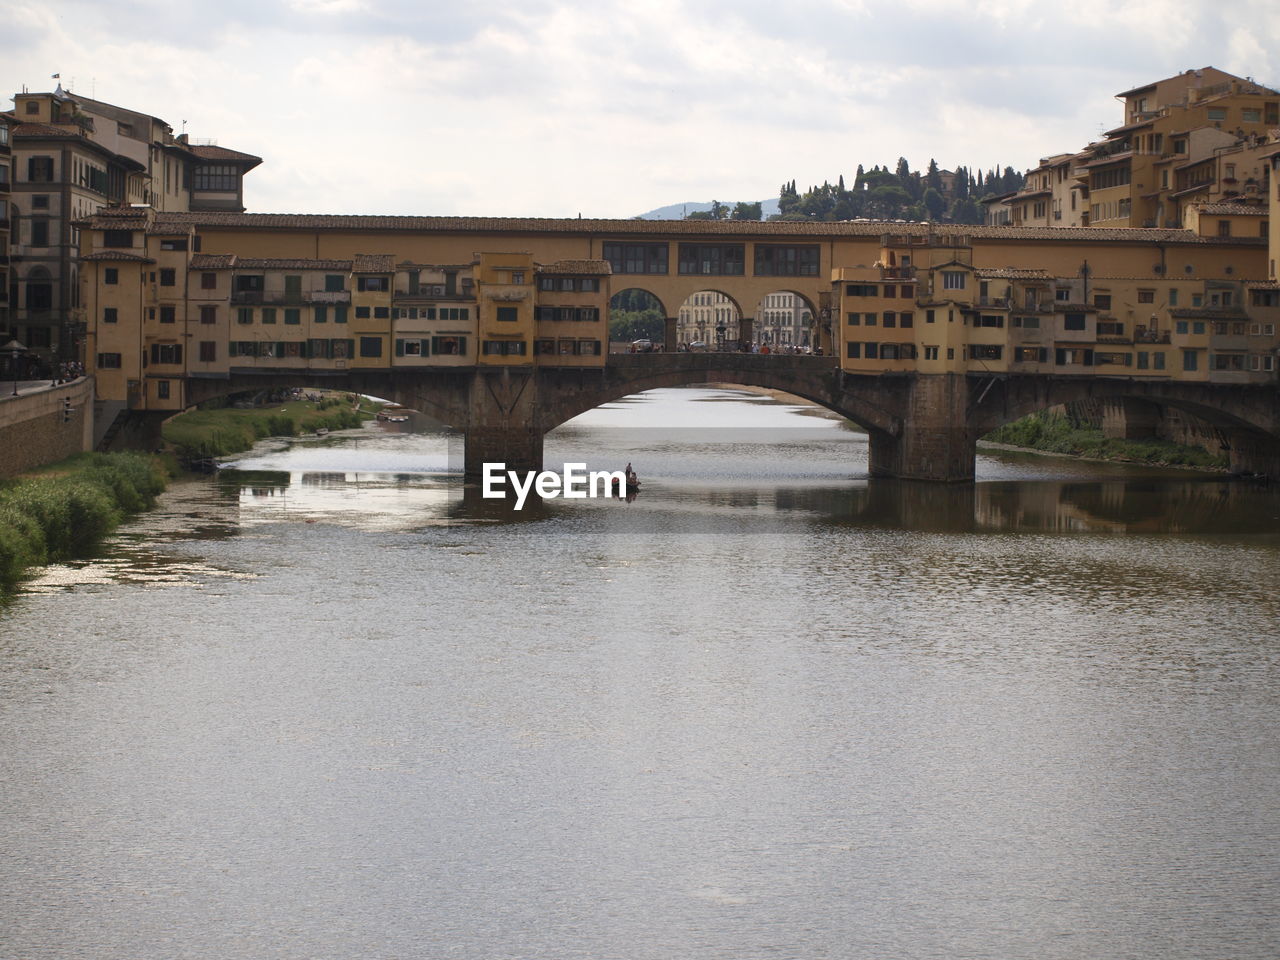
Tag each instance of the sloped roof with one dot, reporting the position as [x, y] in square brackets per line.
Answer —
[215, 154]
[590, 267]
[373, 263]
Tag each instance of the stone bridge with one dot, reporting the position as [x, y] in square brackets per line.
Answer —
[920, 426]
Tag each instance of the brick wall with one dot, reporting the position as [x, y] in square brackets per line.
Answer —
[32, 431]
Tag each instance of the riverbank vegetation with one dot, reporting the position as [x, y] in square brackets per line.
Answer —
[219, 431]
[65, 509]
[1055, 433]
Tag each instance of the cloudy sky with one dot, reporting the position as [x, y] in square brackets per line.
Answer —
[552, 108]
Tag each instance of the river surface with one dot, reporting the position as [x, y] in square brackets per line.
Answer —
[328, 704]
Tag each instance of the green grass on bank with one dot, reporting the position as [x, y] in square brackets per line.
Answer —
[1057, 434]
[63, 510]
[215, 433]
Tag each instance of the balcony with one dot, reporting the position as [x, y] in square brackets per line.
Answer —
[897, 273]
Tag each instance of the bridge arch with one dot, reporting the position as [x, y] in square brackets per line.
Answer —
[811, 378]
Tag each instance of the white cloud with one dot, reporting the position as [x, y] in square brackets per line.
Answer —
[610, 108]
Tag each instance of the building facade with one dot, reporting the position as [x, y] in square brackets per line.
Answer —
[179, 296]
[71, 156]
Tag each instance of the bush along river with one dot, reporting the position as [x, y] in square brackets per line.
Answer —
[330, 702]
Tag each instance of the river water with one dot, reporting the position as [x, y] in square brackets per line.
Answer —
[329, 704]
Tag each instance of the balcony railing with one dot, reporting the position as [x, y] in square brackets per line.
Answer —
[897, 273]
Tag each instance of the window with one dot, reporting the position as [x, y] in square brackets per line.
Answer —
[40, 201]
[1227, 361]
[340, 314]
[1102, 301]
[861, 290]
[953, 279]
[1146, 296]
[1031, 354]
[292, 316]
[854, 319]
[208, 314]
[588, 314]
[1189, 360]
[167, 277]
[220, 177]
[1197, 327]
[372, 284]
[109, 361]
[109, 315]
[413, 348]
[40, 169]
[162, 389]
[1027, 323]
[588, 348]
[890, 318]
[508, 314]
[869, 319]
[712, 259]
[268, 314]
[1073, 321]
[929, 316]
[111, 276]
[381, 313]
[208, 281]
[449, 346]
[177, 243]
[853, 351]
[244, 315]
[906, 320]
[985, 351]
[509, 348]
[1217, 113]
[320, 314]
[989, 320]
[39, 233]
[333, 283]
[786, 261]
[1224, 228]
[1062, 294]
[166, 353]
[1173, 296]
[931, 353]
[636, 257]
[362, 313]
[371, 346]
[208, 351]
[168, 314]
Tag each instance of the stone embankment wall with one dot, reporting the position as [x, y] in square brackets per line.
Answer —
[34, 429]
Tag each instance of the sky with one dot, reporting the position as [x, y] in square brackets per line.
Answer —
[560, 108]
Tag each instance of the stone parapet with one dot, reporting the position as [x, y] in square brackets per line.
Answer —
[45, 426]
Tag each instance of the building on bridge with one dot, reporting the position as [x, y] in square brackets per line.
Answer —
[172, 297]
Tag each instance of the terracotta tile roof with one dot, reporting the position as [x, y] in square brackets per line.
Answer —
[1074, 308]
[117, 255]
[287, 263]
[590, 267]
[222, 154]
[374, 263]
[1209, 313]
[1241, 209]
[783, 231]
[1014, 273]
[213, 261]
[44, 130]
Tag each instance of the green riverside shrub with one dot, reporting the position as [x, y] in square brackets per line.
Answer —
[66, 510]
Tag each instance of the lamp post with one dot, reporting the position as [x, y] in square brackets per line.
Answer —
[15, 350]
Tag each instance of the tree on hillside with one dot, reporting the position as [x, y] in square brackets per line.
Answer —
[747, 211]
[934, 203]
